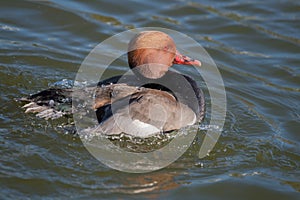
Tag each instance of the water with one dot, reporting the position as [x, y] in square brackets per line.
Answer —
[256, 46]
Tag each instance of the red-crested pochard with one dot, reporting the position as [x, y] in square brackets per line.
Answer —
[156, 99]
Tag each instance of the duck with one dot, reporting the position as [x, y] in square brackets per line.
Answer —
[154, 99]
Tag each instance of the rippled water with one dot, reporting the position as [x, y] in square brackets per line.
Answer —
[256, 46]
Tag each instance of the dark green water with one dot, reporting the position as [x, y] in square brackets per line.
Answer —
[256, 46]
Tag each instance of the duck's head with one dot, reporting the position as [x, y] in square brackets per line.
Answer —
[151, 53]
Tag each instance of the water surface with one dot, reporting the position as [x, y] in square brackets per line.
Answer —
[256, 46]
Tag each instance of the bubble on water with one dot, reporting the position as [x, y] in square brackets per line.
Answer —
[63, 84]
[205, 127]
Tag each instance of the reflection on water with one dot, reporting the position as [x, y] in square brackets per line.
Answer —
[256, 46]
